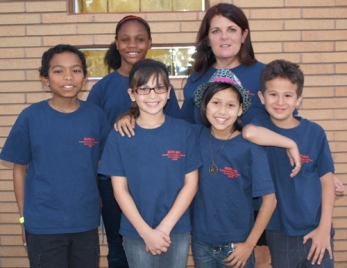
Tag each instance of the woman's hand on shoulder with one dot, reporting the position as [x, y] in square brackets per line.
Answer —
[125, 125]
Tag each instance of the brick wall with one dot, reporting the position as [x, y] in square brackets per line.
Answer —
[312, 33]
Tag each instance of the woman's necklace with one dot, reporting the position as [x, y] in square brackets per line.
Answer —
[213, 169]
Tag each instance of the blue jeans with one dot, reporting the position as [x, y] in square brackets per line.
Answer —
[74, 250]
[111, 215]
[212, 256]
[175, 257]
[290, 252]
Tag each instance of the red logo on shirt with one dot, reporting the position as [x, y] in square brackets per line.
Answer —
[305, 159]
[90, 142]
[250, 93]
[231, 173]
[174, 155]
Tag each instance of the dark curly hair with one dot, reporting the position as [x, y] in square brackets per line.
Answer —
[48, 55]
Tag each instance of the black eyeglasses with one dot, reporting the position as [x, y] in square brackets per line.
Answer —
[147, 90]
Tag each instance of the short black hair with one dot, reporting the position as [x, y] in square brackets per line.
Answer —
[283, 69]
[48, 55]
[207, 96]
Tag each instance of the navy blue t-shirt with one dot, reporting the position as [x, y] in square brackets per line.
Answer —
[222, 208]
[62, 151]
[298, 209]
[154, 162]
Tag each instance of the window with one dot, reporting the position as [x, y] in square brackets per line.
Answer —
[93, 6]
[177, 60]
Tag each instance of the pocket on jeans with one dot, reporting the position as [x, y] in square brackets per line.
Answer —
[34, 259]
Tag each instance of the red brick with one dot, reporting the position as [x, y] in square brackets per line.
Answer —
[8, 7]
[10, 87]
[266, 58]
[22, 19]
[276, 36]
[19, 41]
[46, 6]
[172, 39]
[62, 29]
[324, 68]
[324, 35]
[4, 131]
[12, 98]
[259, 3]
[72, 40]
[36, 97]
[300, 3]
[172, 27]
[322, 13]
[341, 91]
[100, 28]
[318, 92]
[341, 136]
[267, 47]
[340, 158]
[324, 57]
[7, 53]
[13, 240]
[7, 121]
[327, 80]
[15, 262]
[317, 114]
[12, 30]
[11, 76]
[309, 24]
[341, 68]
[17, 64]
[65, 18]
[192, 26]
[171, 16]
[341, 113]
[308, 46]
[275, 13]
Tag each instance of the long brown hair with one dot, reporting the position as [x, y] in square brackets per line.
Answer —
[204, 57]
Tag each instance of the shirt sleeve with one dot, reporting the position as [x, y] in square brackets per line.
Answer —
[172, 108]
[17, 148]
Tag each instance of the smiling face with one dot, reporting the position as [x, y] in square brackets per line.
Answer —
[65, 76]
[153, 103]
[222, 111]
[225, 38]
[280, 100]
[132, 43]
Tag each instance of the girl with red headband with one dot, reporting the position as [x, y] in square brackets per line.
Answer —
[132, 42]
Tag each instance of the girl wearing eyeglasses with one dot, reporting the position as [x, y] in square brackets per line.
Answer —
[154, 174]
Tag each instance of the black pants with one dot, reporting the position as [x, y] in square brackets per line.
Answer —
[75, 250]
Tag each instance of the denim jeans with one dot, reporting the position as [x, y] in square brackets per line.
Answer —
[290, 252]
[73, 250]
[175, 257]
[212, 256]
[111, 215]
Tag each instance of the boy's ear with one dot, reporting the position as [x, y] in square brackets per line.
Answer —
[298, 101]
[131, 94]
[45, 81]
[85, 80]
[261, 97]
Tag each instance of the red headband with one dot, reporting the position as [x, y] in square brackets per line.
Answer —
[132, 17]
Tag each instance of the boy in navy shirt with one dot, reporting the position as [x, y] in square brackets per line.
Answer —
[55, 146]
[300, 232]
